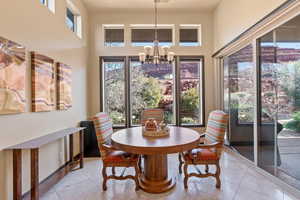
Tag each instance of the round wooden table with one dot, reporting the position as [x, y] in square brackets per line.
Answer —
[155, 178]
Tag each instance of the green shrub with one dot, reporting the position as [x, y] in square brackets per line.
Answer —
[294, 124]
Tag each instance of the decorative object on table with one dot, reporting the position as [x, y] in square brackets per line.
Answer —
[156, 58]
[64, 86]
[110, 156]
[152, 113]
[43, 83]
[153, 129]
[209, 152]
[12, 77]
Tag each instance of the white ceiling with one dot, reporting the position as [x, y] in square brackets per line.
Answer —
[137, 5]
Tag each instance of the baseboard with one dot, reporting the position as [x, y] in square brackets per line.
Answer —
[54, 178]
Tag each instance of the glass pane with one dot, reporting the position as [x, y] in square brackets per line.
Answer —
[70, 20]
[151, 87]
[242, 100]
[267, 103]
[191, 92]
[114, 91]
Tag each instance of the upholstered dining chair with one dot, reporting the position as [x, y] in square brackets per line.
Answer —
[110, 156]
[208, 151]
[154, 113]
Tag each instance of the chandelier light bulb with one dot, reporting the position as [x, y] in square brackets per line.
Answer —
[165, 50]
[142, 57]
[147, 49]
[171, 56]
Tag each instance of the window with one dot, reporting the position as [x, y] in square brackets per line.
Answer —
[191, 104]
[50, 4]
[113, 36]
[114, 89]
[70, 20]
[73, 19]
[145, 36]
[189, 35]
[151, 87]
[129, 87]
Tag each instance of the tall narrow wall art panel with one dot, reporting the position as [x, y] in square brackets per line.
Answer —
[64, 86]
[12, 77]
[43, 83]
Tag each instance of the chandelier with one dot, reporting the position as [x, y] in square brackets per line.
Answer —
[156, 55]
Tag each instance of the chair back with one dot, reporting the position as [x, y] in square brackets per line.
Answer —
[216, 127]
[103, 127]
[154, 113]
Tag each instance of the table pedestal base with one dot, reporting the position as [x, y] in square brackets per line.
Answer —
[155, 178]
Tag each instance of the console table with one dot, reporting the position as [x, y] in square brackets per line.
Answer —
[34, 145]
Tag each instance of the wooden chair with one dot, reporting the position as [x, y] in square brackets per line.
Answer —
[154, 113]
[112, 157]
[209, 150]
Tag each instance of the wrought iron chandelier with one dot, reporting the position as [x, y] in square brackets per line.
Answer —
[157, 57]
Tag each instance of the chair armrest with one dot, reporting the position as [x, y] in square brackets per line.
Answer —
[208, 146]
[108, 147]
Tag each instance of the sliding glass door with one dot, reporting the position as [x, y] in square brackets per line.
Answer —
[279, 102]
[239, 99]
[266, 97]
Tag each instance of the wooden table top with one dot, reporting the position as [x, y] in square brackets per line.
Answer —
[42, 140]
[132, 140]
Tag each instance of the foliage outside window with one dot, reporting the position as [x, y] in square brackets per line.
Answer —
[153, 86]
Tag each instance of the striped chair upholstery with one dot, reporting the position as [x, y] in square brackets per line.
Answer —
[216, 126]
[103, 127]
[154, 113]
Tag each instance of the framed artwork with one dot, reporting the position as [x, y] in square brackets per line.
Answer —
[12, 77]
[43, 83]
[64, 86]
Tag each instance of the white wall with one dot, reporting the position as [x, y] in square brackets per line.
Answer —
[34, 26]
[97, 46]
[232, 17]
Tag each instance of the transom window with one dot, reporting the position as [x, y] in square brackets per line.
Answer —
[129, 87]
[190, 35]
[113, 35]
[50, 4]
[141, 36]
[73, 19]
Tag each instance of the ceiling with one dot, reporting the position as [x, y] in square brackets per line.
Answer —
[138, 5]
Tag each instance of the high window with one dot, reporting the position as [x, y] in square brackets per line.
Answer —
[113, 35]
[145, 35]
[50, 4]
[190, 35]
[129, 87]
[73, 19]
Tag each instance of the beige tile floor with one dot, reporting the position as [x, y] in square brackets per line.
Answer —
[239, 182]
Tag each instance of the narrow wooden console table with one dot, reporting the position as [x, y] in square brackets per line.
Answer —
[34, 145]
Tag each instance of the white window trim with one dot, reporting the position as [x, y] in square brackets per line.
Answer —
[191, 26]
[151, 26]
[77, 18]
[113, 26]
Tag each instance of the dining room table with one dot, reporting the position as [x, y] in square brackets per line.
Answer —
[154, 177]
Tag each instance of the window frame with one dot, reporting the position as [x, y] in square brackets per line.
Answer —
[152, 26]
[78, 27]
[198, 27]
[50, 4]
[177, 91]
[113, 26]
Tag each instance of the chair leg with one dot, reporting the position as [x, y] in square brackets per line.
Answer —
[217, 175]
[136, 177]
[186, 175]
[206, 168]
[113, 170]
[104, 178]
[180, 163]
[140, 163]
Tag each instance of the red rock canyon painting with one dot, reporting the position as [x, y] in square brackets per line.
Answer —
[12, 77]
[64, 86]
[43, 83]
